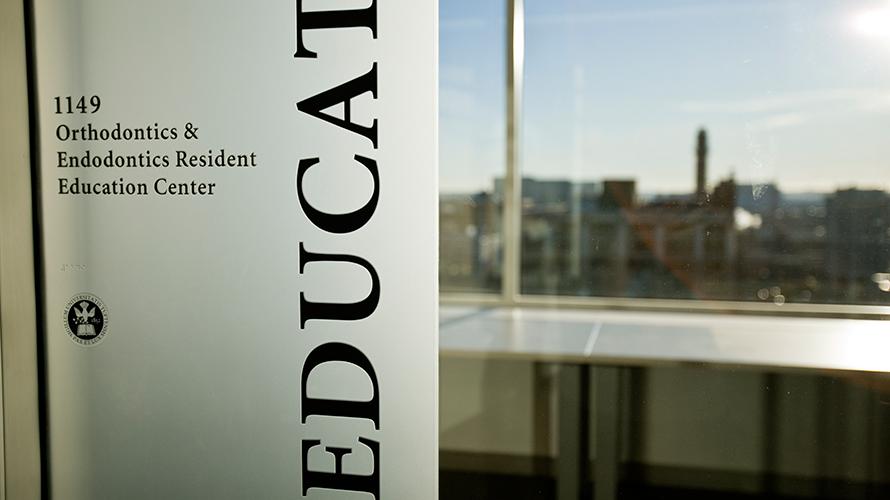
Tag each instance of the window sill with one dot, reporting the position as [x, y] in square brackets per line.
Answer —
[655, 339]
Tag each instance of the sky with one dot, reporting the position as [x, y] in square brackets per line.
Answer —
[791, 92]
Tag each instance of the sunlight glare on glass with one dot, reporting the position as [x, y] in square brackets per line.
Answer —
[873, 22]
[862, 345]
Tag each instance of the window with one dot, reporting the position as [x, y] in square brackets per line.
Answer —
[681, 150]
[709, 155]
[472, 137]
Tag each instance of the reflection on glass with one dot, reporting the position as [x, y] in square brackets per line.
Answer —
[472, 89]
[710, 150]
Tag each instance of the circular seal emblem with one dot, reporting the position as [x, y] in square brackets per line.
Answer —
[86, 319]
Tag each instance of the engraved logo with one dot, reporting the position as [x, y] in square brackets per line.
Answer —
[86, 319]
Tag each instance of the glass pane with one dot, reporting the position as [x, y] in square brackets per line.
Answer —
[686, 406]
[707, 150]
[684, 433]
[472, 99]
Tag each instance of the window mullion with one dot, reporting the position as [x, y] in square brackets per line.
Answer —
[513, 180]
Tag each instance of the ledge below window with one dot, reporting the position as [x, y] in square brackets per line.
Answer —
[656, 339]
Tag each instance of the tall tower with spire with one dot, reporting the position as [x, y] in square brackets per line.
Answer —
[701, 166]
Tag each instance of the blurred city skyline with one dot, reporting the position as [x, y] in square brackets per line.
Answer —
[719, 241]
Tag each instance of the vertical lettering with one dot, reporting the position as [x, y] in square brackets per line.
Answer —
[343, 94]
[335, 351]
[331, 19]
[335, 310]
[338, 480]
[339, 223]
